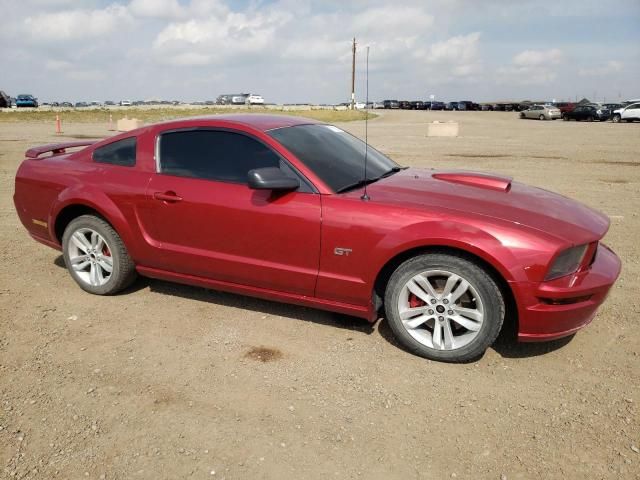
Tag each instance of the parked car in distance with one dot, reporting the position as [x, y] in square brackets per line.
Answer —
[588, 113]
[391, 104]
[125, 103]
[436, 106]
[541, 112]
[81, 104]
[5, 100]
[630, 113]
[417, 105]
[444, 254]
[378, 105]
[254, 99]
[486, 107]
[451, 106]
[405, 104]
[565, 106]
[66, 104]
[26, 100]
[109, 103]
[465, 105]
[232, 99]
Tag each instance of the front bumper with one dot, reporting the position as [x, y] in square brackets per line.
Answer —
[558, 308]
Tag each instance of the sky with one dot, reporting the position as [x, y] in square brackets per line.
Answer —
[295, 51]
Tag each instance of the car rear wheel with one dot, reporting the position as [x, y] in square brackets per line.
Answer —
[522, 115]
[96, 256]
[565, 117]
[616, 119]
[589, 118]
[541, 117]
[444, 307]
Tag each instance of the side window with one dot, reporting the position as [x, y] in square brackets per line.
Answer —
[213, 155]
[122, 153]
[219, 155]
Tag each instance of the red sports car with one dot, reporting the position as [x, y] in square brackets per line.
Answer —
[275, 207]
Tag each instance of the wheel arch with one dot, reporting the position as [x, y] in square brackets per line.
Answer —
[71, 212]
[71, 206]
[384, 274]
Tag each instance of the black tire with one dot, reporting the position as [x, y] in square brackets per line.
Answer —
[483, 283]
[616, 118]
[522, 115]
[565, 117]
[541, 117]
[589, 118]
[123, 269]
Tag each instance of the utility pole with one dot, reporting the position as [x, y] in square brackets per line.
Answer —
[353, 75]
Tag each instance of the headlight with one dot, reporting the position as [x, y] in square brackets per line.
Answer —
[567, 262]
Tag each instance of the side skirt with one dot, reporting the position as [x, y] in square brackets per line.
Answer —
[366, 312]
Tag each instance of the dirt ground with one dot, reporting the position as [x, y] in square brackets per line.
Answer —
[168, 381]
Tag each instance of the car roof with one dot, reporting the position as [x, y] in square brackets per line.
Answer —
[258, 121]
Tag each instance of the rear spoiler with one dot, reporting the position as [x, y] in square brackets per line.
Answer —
[56, 148]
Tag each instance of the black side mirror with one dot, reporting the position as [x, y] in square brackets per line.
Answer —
[271, 178]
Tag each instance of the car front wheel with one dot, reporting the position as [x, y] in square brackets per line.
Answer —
[444, 307]
[541, 117]
[616, 119]
[96, 256]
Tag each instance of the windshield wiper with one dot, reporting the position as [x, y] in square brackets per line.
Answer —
[391, 172]
[363, 182]
[359, 183]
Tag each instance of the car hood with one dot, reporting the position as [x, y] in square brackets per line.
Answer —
[493, 196]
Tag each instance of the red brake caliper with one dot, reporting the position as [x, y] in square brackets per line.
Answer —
[415, 301]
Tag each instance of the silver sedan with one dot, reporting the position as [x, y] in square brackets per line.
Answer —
[541, 112]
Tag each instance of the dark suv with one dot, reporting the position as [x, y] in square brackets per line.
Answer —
[391, 104]
[588, 113]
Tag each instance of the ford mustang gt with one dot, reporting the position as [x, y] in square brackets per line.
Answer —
[282, 208]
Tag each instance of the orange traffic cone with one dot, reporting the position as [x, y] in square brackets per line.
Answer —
[58, 124]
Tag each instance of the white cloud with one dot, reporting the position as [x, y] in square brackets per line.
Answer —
[157, 8]
[532, 67]
[459, 49]
[217, 37]
[536, 58]
[76, 24]
[602, 70]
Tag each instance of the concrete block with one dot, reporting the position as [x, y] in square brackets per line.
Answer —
[442, 129]
[125, 124]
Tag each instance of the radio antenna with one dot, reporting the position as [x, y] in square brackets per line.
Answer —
[365, 197]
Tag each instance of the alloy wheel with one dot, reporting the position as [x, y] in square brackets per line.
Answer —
[441, 310]
[90, 257]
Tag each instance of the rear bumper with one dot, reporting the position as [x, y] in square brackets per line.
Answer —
[558, 308]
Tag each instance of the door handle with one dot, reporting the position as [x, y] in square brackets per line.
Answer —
[170, 197]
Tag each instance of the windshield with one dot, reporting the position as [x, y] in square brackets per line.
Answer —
[334, 155]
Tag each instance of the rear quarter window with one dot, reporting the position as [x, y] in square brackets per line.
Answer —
[122, 153]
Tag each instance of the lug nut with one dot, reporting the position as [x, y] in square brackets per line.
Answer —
[445, 301]
[441, 319]
[433, 300]
[430, 312]
[450, 312]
